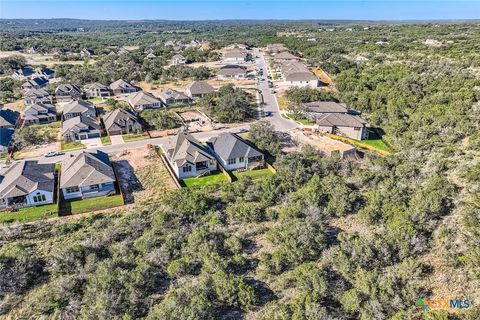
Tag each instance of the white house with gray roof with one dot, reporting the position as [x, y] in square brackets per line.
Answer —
[34, 95]
[198, 89]
[122, 86]
[174, 97]
[234, 153]
[77, 108]
[143, 100]
[87, 175]
[67, 92]
[188, 157]
[81, 128]
[235, 56]
[121, 121]
[296, 74]
[178, 59]
[39, 114]
[27, 183]
[97, 90]
[232, 72]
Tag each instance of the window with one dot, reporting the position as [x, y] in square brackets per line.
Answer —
[94, 187]
[187, 168]
[39, 197]
[356, 128]
[232, 161]
[72, 189]
[241, 159]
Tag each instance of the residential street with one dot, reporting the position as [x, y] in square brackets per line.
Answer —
[271, 105]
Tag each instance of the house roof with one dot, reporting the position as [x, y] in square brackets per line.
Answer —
[24, 177]
[178, 56]
[174, 94]
[34, 92]
[39, 108]
[78, 106]
[25, 71]
[8, 117]
[95, 86]
[46, 72]
[38, 81]
[68, 88]
[80, 123]
[121, 84]
[85, 169]
[230, 70]
[235, 53]
[6, 135]
[200, 87]
[185, 148]
[117, 116]
[342, 120]
[141, 98]
[228, 146]
[285, 56]
[326, 107]
[296, 71]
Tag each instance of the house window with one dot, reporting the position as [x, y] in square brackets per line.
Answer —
[241, 159]
[94, 187]
[72, 189]
[39, 198]
[356, 128]
[232, 161]
[187, 168]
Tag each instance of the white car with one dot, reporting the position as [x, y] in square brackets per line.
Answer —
[53, 154]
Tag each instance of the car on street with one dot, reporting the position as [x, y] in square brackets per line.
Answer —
[53, 154]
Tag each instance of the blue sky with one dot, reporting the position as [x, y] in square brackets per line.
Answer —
[237, 9]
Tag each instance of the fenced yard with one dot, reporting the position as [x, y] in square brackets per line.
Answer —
[29, 214]
[214, 177]
[68, 207]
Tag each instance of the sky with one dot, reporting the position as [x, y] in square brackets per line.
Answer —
[242, 9]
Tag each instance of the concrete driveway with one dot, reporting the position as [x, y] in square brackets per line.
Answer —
[117, 139]
[92, 143]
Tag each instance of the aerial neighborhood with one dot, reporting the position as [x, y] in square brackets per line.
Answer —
[92, 125]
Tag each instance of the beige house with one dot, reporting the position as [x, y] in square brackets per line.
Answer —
[143, 100]
[347, 125]
[121, 121]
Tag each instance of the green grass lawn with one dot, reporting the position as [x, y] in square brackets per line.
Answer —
[134, 136]
[68, 146]
[29, 214]
[106, 140]
[376, 143]
[254, 174]
[96, 99]
[304, 121]
[88, 205]
[202, 181]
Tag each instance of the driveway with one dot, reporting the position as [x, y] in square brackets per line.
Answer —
[92, 143]
[117, 139]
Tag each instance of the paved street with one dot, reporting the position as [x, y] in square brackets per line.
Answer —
[269, 99]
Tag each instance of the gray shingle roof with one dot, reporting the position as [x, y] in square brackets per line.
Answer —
[24, 177]
[141, 98]
[228, 146]
[79, 106]
[185, 148]
[67, 89]
[230, 70]
[118, 116]
[80, 123]
[326, 107]
[85, 169]
[39, 93]
[174, 94]
[200, 87]
[121, 84]
[95, 86]
[342, 120]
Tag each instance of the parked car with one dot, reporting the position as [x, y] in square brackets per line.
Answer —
[53, 154]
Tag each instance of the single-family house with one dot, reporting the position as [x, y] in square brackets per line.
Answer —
[348, 125]
[97, 90]
[122, 86]
[151, 55]
[232, 72]
[39, 114]
[8, 118]
[178, 59]
[121, 121]
[41, 96]
[87, 175]
[87, 52]
[296, 74]
[6, 140]
[174, 97]
[198, 89]
[27, 183]
[45, 73]
[81, 128]
[77, 108]
[285, 57]
[23, 74]
[35, 83]
[235, 56]
[317, 109]
[234, 153]
[143, 100]
[67, 92]
[188, 157]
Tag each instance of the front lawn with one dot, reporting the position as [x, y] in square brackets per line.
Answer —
[96, 99]
[106, 140]
[30, 214]
[134, 137]
[202, 181]
[75, 145]
[254, 174]
[89, 205]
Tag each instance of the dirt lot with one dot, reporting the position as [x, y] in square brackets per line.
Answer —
[196, 121]
[37, 58]
[141, 175]
[321, 143]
